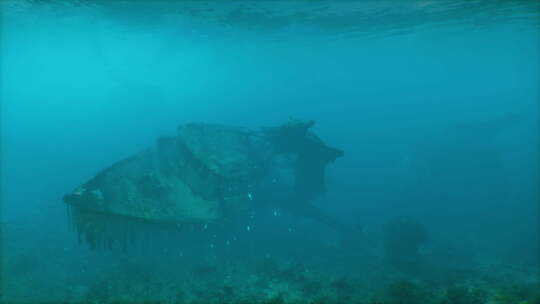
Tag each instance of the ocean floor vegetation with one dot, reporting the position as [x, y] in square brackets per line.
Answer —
[211, 278]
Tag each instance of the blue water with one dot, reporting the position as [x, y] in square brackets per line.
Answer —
[414, 92]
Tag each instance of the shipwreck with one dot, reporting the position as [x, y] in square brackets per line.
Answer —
[206, 173]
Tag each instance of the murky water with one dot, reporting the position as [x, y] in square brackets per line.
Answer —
[433, 103]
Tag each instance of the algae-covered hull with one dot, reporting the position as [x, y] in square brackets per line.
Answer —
[203, 174]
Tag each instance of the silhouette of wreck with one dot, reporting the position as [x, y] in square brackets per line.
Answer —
[207, 173]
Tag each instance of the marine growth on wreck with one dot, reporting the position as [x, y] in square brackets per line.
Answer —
[205, 173]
